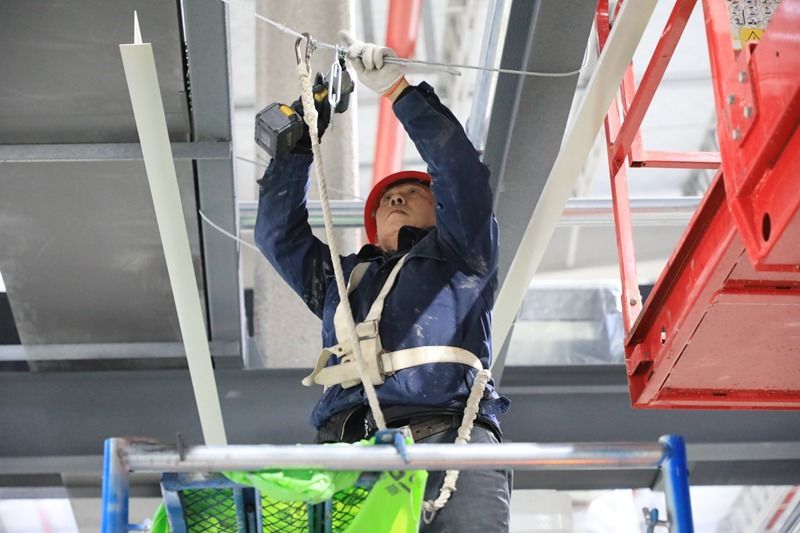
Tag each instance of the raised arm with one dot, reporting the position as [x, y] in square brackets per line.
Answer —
[283, 234]
[466, 226]
[464, 218]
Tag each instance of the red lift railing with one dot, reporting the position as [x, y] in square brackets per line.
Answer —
[721, 328]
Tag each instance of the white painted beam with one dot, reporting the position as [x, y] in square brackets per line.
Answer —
[148, 110]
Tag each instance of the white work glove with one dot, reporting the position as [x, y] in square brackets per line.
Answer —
[367, 60]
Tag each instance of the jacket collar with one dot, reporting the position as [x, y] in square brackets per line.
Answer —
[407, 238]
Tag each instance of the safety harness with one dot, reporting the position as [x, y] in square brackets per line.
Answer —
[360, 355]
[378, 362]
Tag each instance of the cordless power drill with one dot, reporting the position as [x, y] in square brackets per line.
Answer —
[279, 126]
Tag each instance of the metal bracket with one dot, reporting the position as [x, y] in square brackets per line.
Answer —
[740, 104]
[651, 520]
[637, 359]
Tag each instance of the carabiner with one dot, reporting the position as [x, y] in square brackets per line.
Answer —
[311, 47]
[335, 81]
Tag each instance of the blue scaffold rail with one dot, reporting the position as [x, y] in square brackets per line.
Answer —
[179, 467]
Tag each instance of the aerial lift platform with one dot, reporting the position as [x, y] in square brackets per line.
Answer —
[721, 327]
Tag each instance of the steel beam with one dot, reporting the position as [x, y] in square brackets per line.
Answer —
[611, 65]
[87, 152]
[207, 51]
[106, 351]
[477, 125]
[582, 211]
[518, 150]
[46, 429]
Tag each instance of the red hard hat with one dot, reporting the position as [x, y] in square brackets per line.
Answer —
[374, 198]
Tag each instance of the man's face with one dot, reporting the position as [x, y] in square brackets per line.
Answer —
[408, 203]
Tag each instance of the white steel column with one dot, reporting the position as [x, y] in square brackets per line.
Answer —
[148, 110]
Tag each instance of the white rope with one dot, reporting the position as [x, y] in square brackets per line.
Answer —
[310, 113]
[430, 507]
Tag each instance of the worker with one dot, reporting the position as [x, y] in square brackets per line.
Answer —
[431, 264]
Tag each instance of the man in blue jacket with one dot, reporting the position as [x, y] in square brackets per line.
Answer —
[424, 287]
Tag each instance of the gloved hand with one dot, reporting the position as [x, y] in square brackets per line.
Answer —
[367, 60]
[323, 107]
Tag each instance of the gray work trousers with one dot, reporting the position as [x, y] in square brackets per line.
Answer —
[481, 500]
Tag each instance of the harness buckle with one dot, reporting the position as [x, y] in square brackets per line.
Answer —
[368, 330]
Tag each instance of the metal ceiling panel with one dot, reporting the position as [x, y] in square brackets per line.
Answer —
[62, 74]
[80, 252]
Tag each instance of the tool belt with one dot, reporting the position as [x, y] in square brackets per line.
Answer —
[356, 424]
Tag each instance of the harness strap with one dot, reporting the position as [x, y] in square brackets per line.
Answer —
[310, 117]
[375, 312]
[346, 371]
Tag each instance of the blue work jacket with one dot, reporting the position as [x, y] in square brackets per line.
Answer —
[444, 293]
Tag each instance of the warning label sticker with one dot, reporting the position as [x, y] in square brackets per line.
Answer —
[749, 19]
[748, 34]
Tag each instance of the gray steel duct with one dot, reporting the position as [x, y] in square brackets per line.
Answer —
[529, 114]
[79, 247]
[81, 254]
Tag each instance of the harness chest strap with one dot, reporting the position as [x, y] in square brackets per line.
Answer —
[379, 363]
[391, 362]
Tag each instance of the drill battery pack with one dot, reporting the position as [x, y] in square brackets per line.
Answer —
[278, 128]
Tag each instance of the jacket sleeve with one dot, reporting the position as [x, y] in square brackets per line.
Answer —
[283, 234]
[464, 220]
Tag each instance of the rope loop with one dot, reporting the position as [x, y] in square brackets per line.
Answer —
[430, 507]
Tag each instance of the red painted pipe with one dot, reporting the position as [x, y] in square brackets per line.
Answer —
[402, 28]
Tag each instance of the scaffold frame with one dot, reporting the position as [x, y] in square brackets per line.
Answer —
[126, 456]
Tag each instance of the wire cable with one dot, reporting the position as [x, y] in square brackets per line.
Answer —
[225, 232]
[340, 191]
[446, 67]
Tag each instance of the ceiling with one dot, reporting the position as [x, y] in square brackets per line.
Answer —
[87, 286]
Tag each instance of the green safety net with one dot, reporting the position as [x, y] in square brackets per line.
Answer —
[392, 505]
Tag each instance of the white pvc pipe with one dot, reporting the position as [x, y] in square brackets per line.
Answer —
[617, 54]
[148, 109]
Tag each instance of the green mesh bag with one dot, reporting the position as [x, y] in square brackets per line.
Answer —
[392, 505]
